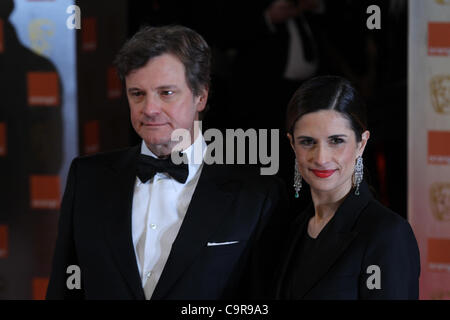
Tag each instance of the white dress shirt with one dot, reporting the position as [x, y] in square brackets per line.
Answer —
[159, 207]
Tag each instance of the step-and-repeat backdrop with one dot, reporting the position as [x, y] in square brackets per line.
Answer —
[60, 97]
[38, 137]
[429, 142]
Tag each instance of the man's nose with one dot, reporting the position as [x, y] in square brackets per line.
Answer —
[152, 106]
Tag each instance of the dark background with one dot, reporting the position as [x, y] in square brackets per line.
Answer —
[247, 59]
[248, 91]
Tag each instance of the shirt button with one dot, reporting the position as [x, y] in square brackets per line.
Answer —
[148, 274]
[153, 226]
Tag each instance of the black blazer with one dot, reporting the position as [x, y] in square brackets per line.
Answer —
[229, 204]
[361, 233]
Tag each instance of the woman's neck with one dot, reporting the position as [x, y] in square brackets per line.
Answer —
[327, 202]
[325, 206]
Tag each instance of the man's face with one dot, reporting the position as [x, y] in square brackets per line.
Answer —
[161, 101]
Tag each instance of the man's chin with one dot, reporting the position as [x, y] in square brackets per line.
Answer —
[156, 138]
[157, 142]
[161, 144]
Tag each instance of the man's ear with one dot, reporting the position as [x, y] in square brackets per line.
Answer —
[364, 138]
[201, 99]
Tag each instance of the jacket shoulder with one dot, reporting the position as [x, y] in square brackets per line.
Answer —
[380, 222]
[381, 216]
[106, 158]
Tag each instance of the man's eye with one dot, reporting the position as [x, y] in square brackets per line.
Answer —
[337, 140]
[167, 93]
[137, 93]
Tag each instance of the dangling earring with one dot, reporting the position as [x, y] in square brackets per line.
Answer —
[297, 179]
[358, 174]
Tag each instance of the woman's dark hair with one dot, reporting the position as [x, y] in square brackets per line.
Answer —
[184, 43]
[328, 93]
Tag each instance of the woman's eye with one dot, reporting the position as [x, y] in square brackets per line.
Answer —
[306, 142]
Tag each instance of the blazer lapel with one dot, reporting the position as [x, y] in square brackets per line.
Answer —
[290, 243]
[118, 228]
[332, 246]
[333, 242]
[210, 202]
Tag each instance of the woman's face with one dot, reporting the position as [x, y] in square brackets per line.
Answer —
[326, 150]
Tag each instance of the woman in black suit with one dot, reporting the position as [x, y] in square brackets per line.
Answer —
[345, 245]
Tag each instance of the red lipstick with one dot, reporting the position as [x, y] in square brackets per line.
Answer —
[323, 173]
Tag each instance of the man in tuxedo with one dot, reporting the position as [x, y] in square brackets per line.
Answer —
[137, 225]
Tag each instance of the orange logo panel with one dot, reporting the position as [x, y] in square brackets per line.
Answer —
[2, 46]
[89, 34]
[3, 241]
[2, 139]
[91, 137]
[45, 192]
[43, 89]
[39, 288]
[114, 84]
[438, 147]
[438, 38]
[439, 254]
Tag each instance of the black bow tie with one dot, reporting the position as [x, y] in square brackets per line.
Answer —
[148, 166]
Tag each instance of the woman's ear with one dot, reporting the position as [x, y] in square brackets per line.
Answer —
[291, 140]
[362, 144]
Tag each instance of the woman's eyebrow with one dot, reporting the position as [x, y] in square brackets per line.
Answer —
[303, 137]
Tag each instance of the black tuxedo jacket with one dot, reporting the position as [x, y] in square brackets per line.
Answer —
[362, 233]
[229, 204]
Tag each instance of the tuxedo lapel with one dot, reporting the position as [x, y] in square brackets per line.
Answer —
[210, 203]
[120, 186]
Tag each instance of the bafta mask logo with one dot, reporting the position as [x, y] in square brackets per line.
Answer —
[440, 93]
[440, 201]
[40, 31]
